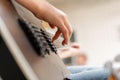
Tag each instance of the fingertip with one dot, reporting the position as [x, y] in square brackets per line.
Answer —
[66, 39]
[52, 26]
[64, 42]
[53, 39]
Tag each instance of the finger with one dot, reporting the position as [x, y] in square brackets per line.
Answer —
[75, 46]
[52, 26]
[65, 35]
[57, 34]
[68, 26]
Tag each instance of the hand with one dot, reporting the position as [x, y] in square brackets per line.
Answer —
[56, 18]
[75, 45]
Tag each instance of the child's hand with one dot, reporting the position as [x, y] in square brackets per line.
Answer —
[56, 18]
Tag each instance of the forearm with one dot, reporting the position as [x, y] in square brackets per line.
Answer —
[41, 9]
[35, 6]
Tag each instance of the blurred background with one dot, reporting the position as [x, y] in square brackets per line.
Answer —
[96, 25]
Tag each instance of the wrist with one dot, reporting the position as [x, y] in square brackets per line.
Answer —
[39, 10]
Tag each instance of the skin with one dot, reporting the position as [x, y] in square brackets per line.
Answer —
[56, 18]
[73, 51]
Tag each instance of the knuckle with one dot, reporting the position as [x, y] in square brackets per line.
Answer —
[65, 31]
[63, 16]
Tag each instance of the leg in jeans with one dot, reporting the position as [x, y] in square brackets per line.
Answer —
[88, 73]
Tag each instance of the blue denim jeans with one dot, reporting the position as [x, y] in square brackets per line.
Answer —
[88, 73]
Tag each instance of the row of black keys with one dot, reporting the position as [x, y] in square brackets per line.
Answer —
[39, 39]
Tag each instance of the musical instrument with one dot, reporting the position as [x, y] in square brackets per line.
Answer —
[29, 46]
[23, 55]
